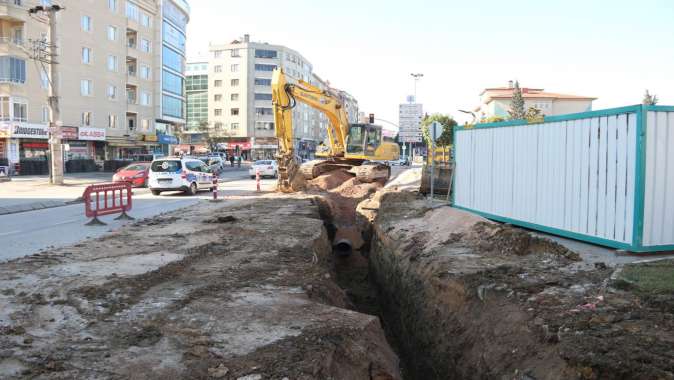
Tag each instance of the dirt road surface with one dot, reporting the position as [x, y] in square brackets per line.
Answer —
[235, 291]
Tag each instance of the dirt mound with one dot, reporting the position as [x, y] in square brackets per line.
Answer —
[330, 180]
[483, 300]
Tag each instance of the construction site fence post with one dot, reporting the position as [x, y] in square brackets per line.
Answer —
[107, 199]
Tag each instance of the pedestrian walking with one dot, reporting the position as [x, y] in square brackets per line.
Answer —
[231, 160]
[238, 161]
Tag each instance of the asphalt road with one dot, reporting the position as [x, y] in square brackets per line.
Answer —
[27, 233]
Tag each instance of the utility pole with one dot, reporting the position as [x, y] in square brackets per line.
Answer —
[55, 146]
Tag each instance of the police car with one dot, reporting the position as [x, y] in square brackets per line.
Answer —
[188, 175]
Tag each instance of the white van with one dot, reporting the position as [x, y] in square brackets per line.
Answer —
[188, 175]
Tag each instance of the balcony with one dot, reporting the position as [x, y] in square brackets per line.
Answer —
[131, 94]
[11, 46]
[14, 10]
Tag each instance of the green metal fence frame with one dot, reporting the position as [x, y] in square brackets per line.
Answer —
[639, 183]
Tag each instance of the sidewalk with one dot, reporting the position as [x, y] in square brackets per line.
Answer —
[27, 193]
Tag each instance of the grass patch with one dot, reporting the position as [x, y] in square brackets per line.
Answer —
[651, 278]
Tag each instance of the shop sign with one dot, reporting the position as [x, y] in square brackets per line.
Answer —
[4, 131]
[69, 133]
[92, 134]
[167, 139]
[150, 138]
[264, 146]
[233, 145]
[30, 131]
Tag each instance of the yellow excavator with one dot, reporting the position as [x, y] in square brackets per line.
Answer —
[360, 148]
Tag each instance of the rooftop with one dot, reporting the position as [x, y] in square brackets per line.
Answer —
[529, 93]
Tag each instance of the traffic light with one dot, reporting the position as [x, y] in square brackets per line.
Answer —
[371, 118]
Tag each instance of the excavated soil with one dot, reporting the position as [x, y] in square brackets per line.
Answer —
[241, 290]
[465, 298]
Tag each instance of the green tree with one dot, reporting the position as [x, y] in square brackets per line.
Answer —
[534, 115]
[516, 111]
[650, 100]
[448, 124]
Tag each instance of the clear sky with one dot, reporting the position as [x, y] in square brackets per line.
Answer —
[611, 49]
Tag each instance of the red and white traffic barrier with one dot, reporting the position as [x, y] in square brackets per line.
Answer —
[215, 190]
[257, 179]
[107, 199]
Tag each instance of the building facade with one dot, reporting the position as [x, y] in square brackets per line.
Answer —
[114, 58]
[496, 101]
[196, 94]
[239, 97]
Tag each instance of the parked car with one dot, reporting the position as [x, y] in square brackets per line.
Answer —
[399, 162]
[267, 168]
[188, 175]
[136, 174]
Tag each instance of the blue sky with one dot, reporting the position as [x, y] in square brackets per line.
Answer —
[611, 49]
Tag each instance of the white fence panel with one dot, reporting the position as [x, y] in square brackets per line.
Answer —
[574, 176]
[659, 180]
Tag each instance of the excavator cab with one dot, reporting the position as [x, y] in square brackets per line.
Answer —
[363, 140]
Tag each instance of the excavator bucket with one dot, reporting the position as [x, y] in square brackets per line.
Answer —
[290, 178]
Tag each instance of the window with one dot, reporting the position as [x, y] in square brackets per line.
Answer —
[234, 112]
[235, 126]
[17, 36]
[217, 83]
[234, 68]
[86, 87]
[12, 70]
[44, 78]
[265, 67]
[217, 97]
[217, 68]
[45, 114]
[259, 53]
[172, 106]
[86, 23]
[131, 11]
[218, 125]
[262, 96]
[86, 119]
[172, 83]
[131, 123]
[263, 111]
[235, 53]
[145, 71]
[234, 82]
[112, 33]
[112, 62]
[145, 99]
[217, 112]
[145, 125]
[86, 55]
[144, 45]
[112, 92]
[145, 20]
[234, 97]
[217, 54]
[267, 125]
[174, 37]
[172, 59]
[112, 5]
[262, 82]
[112, 121]
[20, 108]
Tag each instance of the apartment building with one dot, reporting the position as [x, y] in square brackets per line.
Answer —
[121, 65]
[239, 98]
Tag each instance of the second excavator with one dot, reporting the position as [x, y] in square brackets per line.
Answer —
[359, 148]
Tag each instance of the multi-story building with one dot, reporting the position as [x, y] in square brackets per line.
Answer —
[121, 65]
[239, 92]
[196, 94]
[496, 101]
